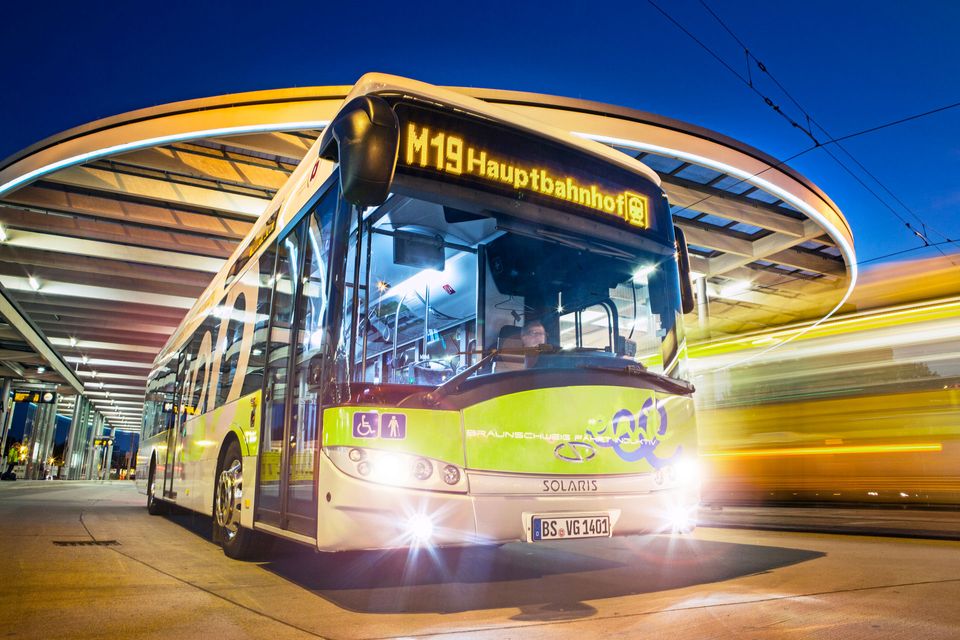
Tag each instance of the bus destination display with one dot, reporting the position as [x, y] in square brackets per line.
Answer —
[491, 158]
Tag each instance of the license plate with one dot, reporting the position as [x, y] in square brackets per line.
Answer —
[567, 527]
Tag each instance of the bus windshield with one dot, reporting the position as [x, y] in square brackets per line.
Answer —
[543, 297]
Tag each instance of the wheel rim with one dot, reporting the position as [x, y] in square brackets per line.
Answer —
[152, 488]
[229, 495]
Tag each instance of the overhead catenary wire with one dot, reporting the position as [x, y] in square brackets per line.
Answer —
[749, 82]
[836, 141]
[919, 233]
[745, 80]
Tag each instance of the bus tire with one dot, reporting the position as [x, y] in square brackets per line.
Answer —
[237, 542]
[155, 506]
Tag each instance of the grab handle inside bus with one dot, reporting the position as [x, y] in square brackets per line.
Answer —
[365, 139]
[683, 261]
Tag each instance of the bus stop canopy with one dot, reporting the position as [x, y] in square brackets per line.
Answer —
[111, 230]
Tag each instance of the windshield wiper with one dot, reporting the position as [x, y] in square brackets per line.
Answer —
[639, 371]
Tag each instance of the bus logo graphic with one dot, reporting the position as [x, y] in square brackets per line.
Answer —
[371, 424]
[574, 451]
[366, 424]
[633, 438]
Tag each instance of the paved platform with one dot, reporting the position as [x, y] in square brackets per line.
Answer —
[161, 577]
[939, 524]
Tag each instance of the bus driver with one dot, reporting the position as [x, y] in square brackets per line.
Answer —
[533, 334]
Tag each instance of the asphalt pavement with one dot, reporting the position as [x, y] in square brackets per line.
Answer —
[85, 560]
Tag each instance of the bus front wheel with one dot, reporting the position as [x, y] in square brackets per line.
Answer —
[237, 542]
[155, 506]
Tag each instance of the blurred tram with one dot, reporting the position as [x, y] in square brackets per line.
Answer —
[861, 409]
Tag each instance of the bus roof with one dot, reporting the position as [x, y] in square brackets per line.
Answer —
[382, 83]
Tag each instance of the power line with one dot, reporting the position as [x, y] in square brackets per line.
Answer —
[748, 81]
[902, 251]
[921, 235]
[893, 123]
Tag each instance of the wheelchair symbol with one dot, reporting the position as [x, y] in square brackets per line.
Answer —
[366, 425]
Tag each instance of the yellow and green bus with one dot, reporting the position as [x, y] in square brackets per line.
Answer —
[862, 409]
[452, 326]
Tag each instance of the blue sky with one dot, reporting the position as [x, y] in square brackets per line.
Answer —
[852, 65]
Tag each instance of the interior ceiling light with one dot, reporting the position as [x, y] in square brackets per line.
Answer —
[34, 283]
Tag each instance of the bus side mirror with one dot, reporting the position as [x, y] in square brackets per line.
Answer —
[364, 139]
[687, 302]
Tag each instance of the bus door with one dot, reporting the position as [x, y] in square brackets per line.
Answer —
[289, 443]
[177, 426]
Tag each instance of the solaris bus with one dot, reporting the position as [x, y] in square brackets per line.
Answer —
[451, 326]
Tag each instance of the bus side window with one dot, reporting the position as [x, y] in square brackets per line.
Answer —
[590, 327]
[253, 381]
[233, 342]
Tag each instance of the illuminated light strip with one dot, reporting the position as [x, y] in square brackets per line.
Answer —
[749, 178]
[152, 142]
[816, 451]
[884, 319]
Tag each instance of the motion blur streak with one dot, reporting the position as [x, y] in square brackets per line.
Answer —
[863, 409]
[813, 451]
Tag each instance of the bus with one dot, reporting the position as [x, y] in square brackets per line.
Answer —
[452, 326]
[863, 409]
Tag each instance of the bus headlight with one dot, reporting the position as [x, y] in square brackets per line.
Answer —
[451, 475]
[420, 528]
[687, 471]
[422, 469]
[397, 469]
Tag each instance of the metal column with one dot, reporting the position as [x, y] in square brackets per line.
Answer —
[108, 461]
[83, 438]
[74, 438]
[7, 407]
[32, 433]
[90, 461]
[49, 438]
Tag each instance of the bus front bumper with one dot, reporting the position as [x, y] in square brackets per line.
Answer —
[355, 514]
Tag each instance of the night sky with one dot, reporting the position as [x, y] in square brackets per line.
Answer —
[851, 65]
